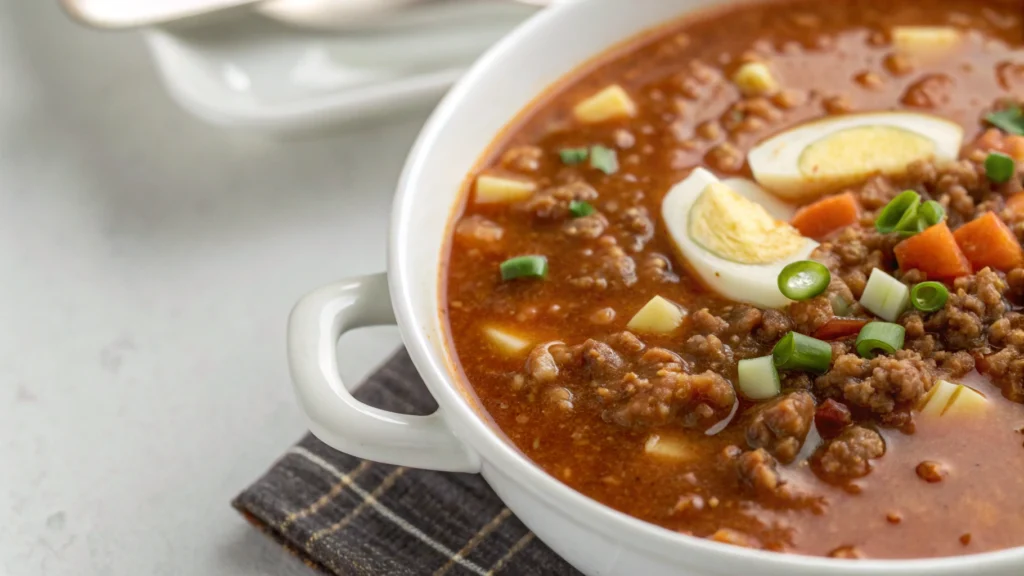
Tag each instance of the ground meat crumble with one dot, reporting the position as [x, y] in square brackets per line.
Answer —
[780, 426]
[849, 455]
[881, 385]
[690, 383]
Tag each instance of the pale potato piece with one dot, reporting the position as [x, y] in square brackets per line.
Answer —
[608, 104]
[911, 40]
[506, 342]
[498, 189]
[669, 448]
[938, 398]
[755, 79]
[658, 316]
[948, 399]
[966, 401]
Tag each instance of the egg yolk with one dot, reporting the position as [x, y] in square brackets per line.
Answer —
[859, 152]
[734, 228]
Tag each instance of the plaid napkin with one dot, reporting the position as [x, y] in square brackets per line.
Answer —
[343, 515]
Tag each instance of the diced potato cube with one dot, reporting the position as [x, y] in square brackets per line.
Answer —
[498, 189]
[937, 399]
[658, 316]
[506, 342]
[966, 401]
[755, 79]
[946, 399]
[924, 39]
[608, 104]
[669, 447]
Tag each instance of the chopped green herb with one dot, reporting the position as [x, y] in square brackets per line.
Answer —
[929, 296]
[532, 266]
[571, 156]
[840, 306]
[885, 296]
[803, 280]
[798, 352]
[931, 213]
[876, 337]
[999, 167]
[1010, 120]
[604, 159]
[912, 221]
[899, 213]
[580, 208]
[758, 378]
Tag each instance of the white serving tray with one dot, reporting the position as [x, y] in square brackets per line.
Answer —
[250, 72]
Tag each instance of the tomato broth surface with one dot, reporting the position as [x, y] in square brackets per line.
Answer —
[912, 452]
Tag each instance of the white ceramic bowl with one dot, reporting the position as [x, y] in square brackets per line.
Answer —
[458, 437]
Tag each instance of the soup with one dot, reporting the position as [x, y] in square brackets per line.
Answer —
[757, 277]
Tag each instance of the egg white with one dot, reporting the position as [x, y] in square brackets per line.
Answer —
[755, 284]
[776, 161]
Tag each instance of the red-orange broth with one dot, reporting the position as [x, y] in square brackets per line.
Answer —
[887, 482]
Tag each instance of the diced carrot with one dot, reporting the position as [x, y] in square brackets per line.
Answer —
[987, 241]
[934, 252]
[1015, 204]
[838, 328]
[994, 140]
[991, 139]
[1015, 147]
[827, 215]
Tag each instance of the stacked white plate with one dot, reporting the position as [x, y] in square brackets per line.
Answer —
[249, 70]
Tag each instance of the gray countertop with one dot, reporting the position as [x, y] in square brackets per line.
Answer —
[149, 263]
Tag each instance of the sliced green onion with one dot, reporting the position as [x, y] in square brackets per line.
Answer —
[604, 159]
[931, 213]
[912, 222]
[929, 296]
[572, 156]
[580, 208]
[798, 352]
[877, 337]
[896, 211]
[524, 267]
[840, 307]
[804, 280]
[999, 167]
[759, 380]
[885, 296]
[1011, 120]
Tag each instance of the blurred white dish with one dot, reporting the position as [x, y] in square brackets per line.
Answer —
[253, 73]
[120, 14]
[330, 13]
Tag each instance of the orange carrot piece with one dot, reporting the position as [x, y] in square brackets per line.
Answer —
[987, 241]
[1015, 147]
[934, 252]
[1015, 203]
[839, 328]
[827, 215]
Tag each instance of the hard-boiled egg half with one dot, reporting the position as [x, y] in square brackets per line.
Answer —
[826, 155]
[734, 235]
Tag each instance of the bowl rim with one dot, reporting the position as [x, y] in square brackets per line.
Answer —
[471, 427]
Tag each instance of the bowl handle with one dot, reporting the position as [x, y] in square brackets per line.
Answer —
[334, 415]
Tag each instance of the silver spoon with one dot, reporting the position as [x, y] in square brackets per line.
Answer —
[121, 14]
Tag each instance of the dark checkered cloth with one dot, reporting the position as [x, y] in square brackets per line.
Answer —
[346, 516]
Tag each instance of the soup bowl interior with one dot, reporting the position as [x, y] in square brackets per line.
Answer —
[595, 538]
